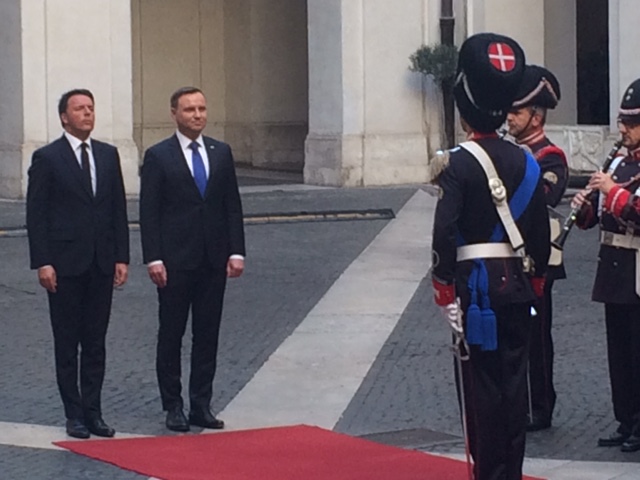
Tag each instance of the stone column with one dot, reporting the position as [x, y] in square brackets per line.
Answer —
[54, 46]
[624, 64]
[522, 21]
[366, 116]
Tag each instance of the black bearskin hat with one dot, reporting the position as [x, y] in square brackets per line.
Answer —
[490, 68]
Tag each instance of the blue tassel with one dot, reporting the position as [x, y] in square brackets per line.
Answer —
[489, 330]
[474, 325]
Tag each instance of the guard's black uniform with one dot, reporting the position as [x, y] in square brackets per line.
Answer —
[615, 286]
[495, 381]
[490, 69]
[555, 176]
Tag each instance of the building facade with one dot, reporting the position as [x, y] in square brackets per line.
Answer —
[315, 86]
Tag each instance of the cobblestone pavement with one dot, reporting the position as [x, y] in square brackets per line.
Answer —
[408, 390]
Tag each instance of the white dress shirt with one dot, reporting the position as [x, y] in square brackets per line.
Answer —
[77, 150]
[188, 152]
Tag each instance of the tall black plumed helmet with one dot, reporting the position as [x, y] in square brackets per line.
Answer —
[490, 69]
[539, 87]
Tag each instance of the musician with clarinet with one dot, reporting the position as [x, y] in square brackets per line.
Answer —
[612, 200]
[539, 92]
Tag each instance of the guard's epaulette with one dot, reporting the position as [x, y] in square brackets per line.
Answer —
[437, 164]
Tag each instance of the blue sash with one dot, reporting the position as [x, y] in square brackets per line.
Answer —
[481, 320]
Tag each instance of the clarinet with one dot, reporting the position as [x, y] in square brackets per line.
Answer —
[573, 215]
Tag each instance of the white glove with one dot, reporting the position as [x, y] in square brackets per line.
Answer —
[453, 316]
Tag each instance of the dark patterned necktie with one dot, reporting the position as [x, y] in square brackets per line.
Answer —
[86, 167]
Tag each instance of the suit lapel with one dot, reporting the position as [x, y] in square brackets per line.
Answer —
[70, 160]
[99, 159]
[182, 167]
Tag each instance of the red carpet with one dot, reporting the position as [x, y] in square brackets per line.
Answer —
[283, 453]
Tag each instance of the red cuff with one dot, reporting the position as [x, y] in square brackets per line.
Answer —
[616, 199]
[444, 294]
[538, 286]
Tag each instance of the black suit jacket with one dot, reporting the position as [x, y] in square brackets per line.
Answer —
[68, 226]
[178, 225]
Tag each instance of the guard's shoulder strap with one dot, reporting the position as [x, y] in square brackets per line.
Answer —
[521, 197]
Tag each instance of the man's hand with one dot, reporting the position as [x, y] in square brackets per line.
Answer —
[601, 181]
[121, 274]
[579, 198]
[158, 274]
[453, 317]
[235, 267]
[47, 278]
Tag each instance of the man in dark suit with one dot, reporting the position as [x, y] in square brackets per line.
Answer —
[79, 243]
[192, 240]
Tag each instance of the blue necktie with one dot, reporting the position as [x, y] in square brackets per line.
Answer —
[199, 173]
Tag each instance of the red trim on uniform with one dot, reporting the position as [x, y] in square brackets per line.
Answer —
[549, 149]
[538, 285]
[616, 199]
[635, 154]
[480, 135]
[443, 294]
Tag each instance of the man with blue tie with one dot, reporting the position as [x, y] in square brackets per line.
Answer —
[192, 240]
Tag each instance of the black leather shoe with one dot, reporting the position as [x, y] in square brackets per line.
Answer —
[97, 426]
[616, 439]
[631, 444]
[538, 423]
[205, 419]
[77, 429]
[176, 420]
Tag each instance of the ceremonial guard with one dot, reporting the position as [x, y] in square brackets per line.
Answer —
[490, 253]
[616, 208]
[539, 92]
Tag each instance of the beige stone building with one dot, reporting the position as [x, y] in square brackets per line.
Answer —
[314, 86]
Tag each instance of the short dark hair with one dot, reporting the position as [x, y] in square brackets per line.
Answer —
[64, 99]
[175, 96]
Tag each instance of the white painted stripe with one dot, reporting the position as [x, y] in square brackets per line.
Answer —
[314, 374]
[39, 436]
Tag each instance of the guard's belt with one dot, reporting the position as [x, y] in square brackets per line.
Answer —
[485, 250]
[629, 242]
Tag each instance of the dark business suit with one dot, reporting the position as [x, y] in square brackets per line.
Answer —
[82, 236]
[193, 236]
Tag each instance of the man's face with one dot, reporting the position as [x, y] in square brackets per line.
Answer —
[79, 117]
[522, 121]
[630, 132]
[191, 114]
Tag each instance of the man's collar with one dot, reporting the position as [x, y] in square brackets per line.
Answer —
[532, 138]
[479, 135]
[186, 141]
[75, 142]
[635, 154]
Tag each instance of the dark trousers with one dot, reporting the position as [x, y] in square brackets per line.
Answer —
[495, 387]
[202, 292]
[623, 349]
[542, 392]
[79, 312]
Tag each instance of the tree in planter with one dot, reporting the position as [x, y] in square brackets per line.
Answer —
[440, 61]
